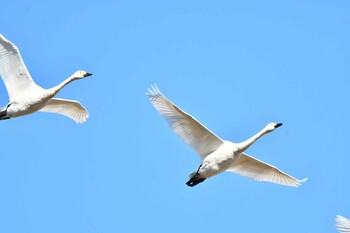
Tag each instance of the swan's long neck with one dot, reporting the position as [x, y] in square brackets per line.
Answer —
[57, 88]
[247, 143]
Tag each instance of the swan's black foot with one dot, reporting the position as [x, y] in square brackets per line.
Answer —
[194, 179]
[3, 115]
[192, 183]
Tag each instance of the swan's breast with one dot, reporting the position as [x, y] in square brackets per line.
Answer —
[219, 160]
[27, 103]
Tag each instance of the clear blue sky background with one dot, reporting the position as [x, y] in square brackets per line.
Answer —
[234, 65]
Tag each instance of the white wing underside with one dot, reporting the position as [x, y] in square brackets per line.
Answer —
[260, 171]
[70, 108]
[12, 69]
[342, 224]
[201, 139]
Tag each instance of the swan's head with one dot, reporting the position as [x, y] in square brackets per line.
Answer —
[81, 74]
[272, 126]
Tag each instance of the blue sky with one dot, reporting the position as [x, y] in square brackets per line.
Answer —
[234, 65]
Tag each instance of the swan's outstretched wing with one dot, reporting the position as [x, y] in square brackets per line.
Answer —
[342, 224]
[70, 108]
[187, 127]
[12, 68]
[260, 171]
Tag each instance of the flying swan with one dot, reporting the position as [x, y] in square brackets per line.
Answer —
[26, 96]
[217, 155]
[342, 224]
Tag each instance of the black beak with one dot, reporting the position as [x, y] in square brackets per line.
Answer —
[278, 125]
[87, 74]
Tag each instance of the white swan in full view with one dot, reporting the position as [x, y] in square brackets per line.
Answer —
[218, 155]
[342, 224]
[26, 96]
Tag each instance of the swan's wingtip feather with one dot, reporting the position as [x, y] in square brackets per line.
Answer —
[153, 92]
[155, 87]
[342, 224]
[299, 183]
[79, 122]
[82, 119]
[304, 180]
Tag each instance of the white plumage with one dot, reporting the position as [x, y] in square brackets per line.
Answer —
[26, 96]
[342, 224]
[218, 155]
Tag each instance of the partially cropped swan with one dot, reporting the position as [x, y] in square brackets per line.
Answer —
[217, 155]
[26, 96]
[342, 224]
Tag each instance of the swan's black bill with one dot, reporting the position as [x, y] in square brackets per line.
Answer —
[87, 74]
[278, 125]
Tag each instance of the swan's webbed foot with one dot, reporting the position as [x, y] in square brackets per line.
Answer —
[3, 114]
[194, 180]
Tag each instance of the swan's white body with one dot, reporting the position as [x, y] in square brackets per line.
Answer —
[26, 96]
[218, 155]
[342, 224]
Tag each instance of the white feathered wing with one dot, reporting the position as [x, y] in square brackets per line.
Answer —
[13, 70]
[70, 108]
[255, 169]
[342, 224]
[193, 133]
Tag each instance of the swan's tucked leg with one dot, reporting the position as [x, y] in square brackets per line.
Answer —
[194, 178]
